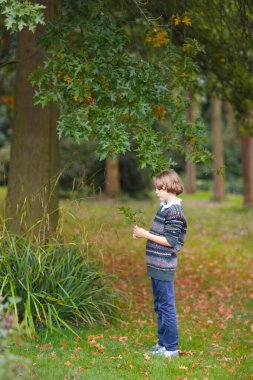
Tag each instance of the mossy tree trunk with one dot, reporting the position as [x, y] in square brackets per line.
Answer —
[216, 125]
[32, 198]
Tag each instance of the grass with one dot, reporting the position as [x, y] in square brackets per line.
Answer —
[63, 285]
[213, 297]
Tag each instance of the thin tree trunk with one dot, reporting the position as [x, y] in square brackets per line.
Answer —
[216, 124]
[112, 181]
[230, 118]
[32, 199]
[247, 163]
[190, 167]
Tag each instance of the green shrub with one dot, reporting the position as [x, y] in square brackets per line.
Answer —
[234, 185]
[57, 285]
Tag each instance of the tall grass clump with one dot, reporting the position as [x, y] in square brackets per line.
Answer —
[57, 285]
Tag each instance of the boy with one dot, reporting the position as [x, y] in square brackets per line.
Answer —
[165, 239]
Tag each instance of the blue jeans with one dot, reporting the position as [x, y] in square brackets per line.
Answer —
[164, 306]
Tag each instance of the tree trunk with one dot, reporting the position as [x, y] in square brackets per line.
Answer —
[230, 118]
[112, 181]
[190, 167]
[247, 163]
[32, 198]
[216, 124]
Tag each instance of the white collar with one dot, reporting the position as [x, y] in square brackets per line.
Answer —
[165, 205]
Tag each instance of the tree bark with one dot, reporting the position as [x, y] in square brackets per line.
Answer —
[230, 118]
[190, 167]
[247, 163]
[112, 181]
[216, 125]
[32, 198]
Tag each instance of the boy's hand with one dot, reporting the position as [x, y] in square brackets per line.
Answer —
[139, 232]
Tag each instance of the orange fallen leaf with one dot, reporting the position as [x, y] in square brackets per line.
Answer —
[99, 346]
[91, 340]
[47, 346]
[147, 357]
[77, 349]
[185, 353]
[145, 373]
[122, 339]
[96, 337]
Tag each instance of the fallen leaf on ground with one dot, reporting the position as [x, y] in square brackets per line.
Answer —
[47, 346]
[117, 357]
[147, 357]
[122, 339]
[77, 349]
[185, 353]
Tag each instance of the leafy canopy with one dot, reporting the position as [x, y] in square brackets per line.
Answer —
[109, 93]
[18, 14]
[224, 28]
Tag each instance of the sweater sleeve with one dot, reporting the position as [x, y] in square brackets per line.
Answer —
[172, 229]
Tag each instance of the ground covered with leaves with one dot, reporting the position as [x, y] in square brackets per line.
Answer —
[214, 298]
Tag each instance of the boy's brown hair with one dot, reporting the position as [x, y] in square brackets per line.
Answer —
[169, 180]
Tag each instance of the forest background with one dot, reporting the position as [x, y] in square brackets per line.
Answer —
[95, 98]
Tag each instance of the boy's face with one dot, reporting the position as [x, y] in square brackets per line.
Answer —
[162, 194]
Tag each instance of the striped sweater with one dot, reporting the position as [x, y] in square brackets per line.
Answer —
[162, 260]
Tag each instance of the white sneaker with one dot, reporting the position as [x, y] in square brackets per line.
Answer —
[156, 347]
[168, 354]
[163, 352]
[157, 350]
